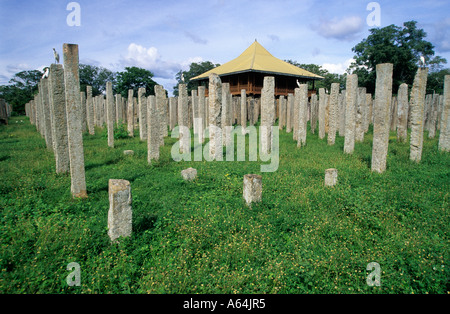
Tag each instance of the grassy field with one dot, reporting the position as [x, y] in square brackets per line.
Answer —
[199, 237]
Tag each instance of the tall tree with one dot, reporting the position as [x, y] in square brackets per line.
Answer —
[134, 78]
[195, 69]
[401, 46]
[319, 70]
[96, 77]
[21, 89]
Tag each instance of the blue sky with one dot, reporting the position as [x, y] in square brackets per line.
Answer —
[166, 36]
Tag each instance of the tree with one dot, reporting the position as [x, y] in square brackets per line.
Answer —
[21, 89]
[435, 81]
[317, 69]
[401, 46]
[91, 75]
[134, 78]
[195, 69]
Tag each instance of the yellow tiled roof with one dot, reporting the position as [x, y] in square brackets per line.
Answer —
[257, 59]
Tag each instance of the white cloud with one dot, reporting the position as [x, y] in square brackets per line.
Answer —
[338, 68]
[340, 28]
[150, 59]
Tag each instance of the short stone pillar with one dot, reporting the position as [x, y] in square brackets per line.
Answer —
[120, 211]
[331, 176]
[189, 174]
[252, 188]
[128, 152]
[402, 113]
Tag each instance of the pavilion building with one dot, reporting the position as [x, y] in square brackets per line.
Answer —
[249, 69]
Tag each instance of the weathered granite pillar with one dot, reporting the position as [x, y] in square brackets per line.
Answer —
[289, 112]
[281, 112]
[402, 112]
[322, 108]
[90, 110]
[58, 105]
[215, 117]
[161, 104]
[110, 116]
[73, 113]
[172, 112]
[433, 116]
[360, 112]
[331, 177]
[350, 113]
[381, 111]
[118, 104]
[202, 109]
[252, 190]
[46, 114]
[333, 113]
[314, 113]
[444, 136]
[130, 113]
[153, 129]
[83, 112]
[142, 107]
[120, 213]
[243, 121]
[393, 114]
[226, 114]
[342, 102]
[417, 114]
[369, 116]
[267, 113]
[183, 118]
[302, 114]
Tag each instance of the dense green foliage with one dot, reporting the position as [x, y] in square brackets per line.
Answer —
[199, 237]
[401, 46]
[195, 69]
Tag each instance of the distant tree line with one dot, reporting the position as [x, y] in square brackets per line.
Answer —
[402, 46]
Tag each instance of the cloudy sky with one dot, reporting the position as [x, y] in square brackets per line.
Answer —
[166, 36]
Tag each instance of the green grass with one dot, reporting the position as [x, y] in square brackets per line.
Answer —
[199, 237]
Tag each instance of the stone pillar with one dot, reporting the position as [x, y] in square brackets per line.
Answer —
[393, 114]
[161, 105]
[46, 111]
[369, 116]
[342, 102]
[243, 121]
[195, 114]
[58, 105]
[289, 112]
[331, 176]
[226, 114]
[172, 112]
[118, 103]
[130, 113]
[360, 112]
[433, 116]
[153, 129]
[350, 113]
[90, 110]
[314, 113]
[73, 113]
[202, 109]
[322, 108]
[333, 113]
[302, 114]
[267, 113]
[120, 213]
[142, 107]
[444, 136]
[83, 112]
[295, 120]
[183, 118]
[417, 114]
[110, 117]
[383, 95]
[252, 190]
[402, 112]
[215, 117]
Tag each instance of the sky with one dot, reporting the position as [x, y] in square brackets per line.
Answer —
[167, 36]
